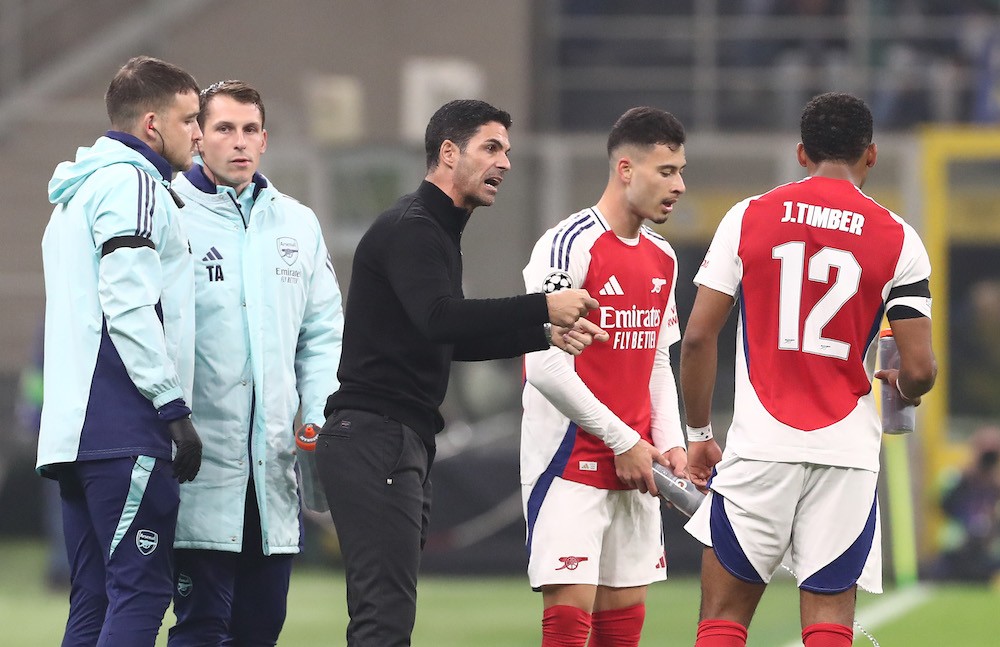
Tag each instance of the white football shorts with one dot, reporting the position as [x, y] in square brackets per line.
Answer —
[827, 516]
[579, 534]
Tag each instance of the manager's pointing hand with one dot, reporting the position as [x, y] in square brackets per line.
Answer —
[566, 306]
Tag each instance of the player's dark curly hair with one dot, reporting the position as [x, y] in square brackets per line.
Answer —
[458, 121]
[837, 127]
[646, 127]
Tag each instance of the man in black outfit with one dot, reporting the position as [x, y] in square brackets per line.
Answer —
[406, 320]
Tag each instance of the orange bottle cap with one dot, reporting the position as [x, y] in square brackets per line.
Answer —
[306, 438]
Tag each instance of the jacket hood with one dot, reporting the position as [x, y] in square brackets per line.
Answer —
[113, 148]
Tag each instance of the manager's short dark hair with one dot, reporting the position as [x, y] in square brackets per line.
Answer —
[458, 121]
[240, 91]
[646, 127]
[142, 85]
[836, 126]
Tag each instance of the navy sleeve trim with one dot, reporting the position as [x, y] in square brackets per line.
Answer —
[126, 241]
[562, 242]
[173, 410]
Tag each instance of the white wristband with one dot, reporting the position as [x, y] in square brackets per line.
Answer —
[906, 400]
[699, 434]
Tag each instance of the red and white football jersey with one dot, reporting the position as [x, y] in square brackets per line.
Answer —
[577, 410]
[812, 264]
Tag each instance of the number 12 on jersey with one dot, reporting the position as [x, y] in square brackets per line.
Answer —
[793, 270]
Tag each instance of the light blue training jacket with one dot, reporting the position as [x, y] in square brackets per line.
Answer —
[119, 324]
[269, 330]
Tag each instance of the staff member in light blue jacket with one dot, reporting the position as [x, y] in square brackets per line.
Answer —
[119, 301]
[269, 327]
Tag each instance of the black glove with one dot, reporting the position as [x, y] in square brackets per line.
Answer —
[187, 462]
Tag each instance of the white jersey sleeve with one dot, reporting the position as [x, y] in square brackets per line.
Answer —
[913, 266]
[722, 269]
[666, 417]
[549, 269]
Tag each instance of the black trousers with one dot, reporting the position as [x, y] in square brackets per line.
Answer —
[376, 475]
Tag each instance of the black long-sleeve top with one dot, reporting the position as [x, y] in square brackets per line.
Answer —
[406, 317]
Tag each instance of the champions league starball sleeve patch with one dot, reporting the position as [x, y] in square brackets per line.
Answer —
[556, 281]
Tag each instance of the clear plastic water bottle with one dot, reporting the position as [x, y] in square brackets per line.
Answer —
[680, 492]
[898, 416]
[309, 483]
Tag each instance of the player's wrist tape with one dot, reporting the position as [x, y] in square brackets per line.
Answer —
[699, 434]
[548, 332]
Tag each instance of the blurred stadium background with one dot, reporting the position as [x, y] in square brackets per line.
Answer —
[349, 87]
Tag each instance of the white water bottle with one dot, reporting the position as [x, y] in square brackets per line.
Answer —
[680, 492]
[898, 415]
[309, 483]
